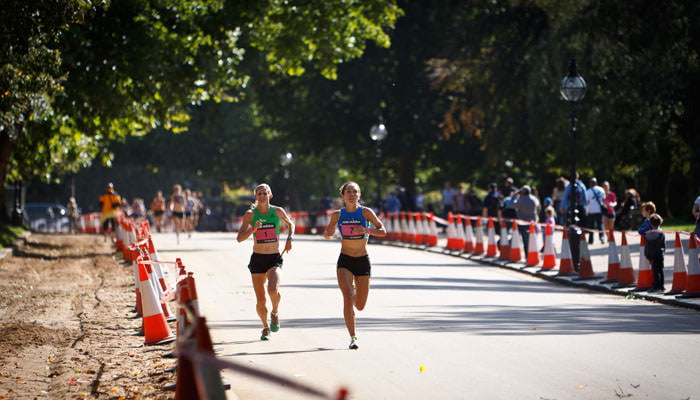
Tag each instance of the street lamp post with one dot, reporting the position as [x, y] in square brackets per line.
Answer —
[573, 89]
[378, 133]
[286, 161]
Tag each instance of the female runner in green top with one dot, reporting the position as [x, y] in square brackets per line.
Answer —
[263, 222]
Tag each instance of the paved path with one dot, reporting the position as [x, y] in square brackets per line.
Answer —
[479, 331]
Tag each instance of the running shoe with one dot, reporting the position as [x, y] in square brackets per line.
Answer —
[265, 334]
[274, 322]
[354, 343]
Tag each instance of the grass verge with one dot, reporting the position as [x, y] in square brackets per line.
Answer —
[8, 233]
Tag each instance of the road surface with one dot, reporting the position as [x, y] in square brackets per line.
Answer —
[438, 327]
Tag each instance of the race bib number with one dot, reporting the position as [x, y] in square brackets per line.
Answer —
[266, 233]
[347, 230]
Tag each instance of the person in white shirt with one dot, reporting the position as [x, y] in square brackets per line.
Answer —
[594, 210]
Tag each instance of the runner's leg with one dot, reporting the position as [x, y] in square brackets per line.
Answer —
[345, 279]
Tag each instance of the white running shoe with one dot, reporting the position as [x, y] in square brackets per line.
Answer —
[354, 343]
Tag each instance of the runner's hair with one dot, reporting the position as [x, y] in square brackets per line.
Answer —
[255, 201]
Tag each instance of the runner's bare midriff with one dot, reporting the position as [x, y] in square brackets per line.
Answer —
[354, 247]
[266, 248]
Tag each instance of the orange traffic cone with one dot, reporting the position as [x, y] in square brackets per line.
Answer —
[468, 236]
[491, 249]
[479, 244]
[585, 270]
[450, 232]
[433, 237]
[680, 275]
[645, 277]
[404, 228]
[533, 253]
[396, 230]
[155, 327]
[159, 292]
[459, 230]
[208, 376]
[613, 260]
[411, 233]
[420, 234]
[425, 227]
[566, 265]
[626, 277]
[504, 244]
[692, 284]
[550, 257]
[515, 244]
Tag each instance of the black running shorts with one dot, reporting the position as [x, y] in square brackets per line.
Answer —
[260, 263]
[359, 266]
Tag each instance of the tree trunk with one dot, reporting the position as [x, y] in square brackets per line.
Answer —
[659, 178]
[5, 150]
[407, 177]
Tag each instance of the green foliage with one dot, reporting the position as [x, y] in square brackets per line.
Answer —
[8, 234]
[295, 34]
[84, 74]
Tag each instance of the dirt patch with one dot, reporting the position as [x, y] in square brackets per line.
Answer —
[67, 326]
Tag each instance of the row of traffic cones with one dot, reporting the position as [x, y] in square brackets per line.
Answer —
[620, 272]
[415, 228]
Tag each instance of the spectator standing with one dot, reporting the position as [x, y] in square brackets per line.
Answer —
[696, 214]
[460, 201]
[579, 210]
[594, 210]
[547, 202]
[609, 204]
[654, 251]
[510, 194]
[557, 195]
[418, 199]
[403, 198]
[73, 215]
[448, 199]
[630, 204]
[326, 202]
[527, 208]
[648, 208]
[473, 203]
[392, 203]
[581, 199]
[492, 202]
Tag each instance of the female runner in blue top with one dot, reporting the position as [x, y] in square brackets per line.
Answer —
[263, 222]
[353, 269]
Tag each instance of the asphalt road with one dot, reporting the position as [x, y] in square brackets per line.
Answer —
[438, 327]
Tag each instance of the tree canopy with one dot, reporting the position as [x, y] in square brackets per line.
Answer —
[468, 89]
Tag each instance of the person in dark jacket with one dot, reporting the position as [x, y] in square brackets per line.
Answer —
[654, 250]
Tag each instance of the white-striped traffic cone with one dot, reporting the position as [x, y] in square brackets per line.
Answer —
[680, 274]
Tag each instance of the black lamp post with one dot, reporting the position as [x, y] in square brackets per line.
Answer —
[378, 133]
[573, 89]
[286, 161]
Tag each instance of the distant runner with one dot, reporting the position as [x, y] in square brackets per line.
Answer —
[111, 204]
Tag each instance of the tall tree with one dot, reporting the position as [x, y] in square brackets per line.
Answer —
[128, 66]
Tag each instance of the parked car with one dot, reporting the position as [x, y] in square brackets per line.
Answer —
[46, 217]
